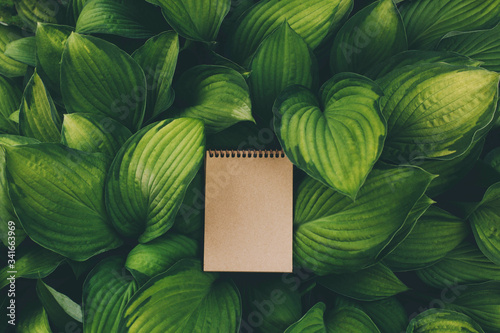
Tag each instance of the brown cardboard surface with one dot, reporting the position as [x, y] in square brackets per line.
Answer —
[248, 213]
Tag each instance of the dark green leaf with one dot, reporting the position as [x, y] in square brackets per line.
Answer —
[33, 319]
[32, 11]
[439, 320]
[8, 66]
[22, 50]
[10, 99]
[349, 319]
[388, 314]
[311, 322]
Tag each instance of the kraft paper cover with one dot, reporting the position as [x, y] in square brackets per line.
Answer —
[248, 211]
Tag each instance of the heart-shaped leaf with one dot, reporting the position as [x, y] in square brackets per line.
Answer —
[426, 21]
[463, 265]
[311, 322]
[436, 110]
[50, 40]
[373, 34]
[370, 284]
[337, 145]
[22, 50]
[93, 133]
[158, 58]
[106, 291]
[271, 72]
[38, 117]
[483, 45]
[217, 95]
[10, 99]
[195, 19]
[8, 66]
[195, 301]
[156, 164]
[346, 318]
[439, 320]
[313, 20]
[484, 222]
[435, 234]
[388, 314]
[335, 235]
[32, 11]
[157, 256]
[60, 202]
[114, 86]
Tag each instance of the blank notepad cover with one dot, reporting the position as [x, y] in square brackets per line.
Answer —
[248, 211]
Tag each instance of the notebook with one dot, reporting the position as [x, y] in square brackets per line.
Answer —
[248, 211]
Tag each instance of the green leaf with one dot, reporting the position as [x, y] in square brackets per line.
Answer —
[436, 110]
[75, 7]
[33, 262]
[481, 303]
[370, 284]
[463, 265]
[335, 235]
[190, 219]
[313, 20]
[8, 66]
[372, 35]
[484, 222]
[10, 99]
[157, 256]
[337, 140]
[38, 117]
[195, 301]
[98, 77]
[22, 50]
[61, 310]
[482, 45]
[426, 21]
[158, 58]
[349, 319]
[60, 202]
[271, 69]
[50, 40]
[14, 117]
[93, 133]
[33, 318]
[199, 20]
[435, 234]
[32, 11]
[217, 95]
[127, 18]
[106, 291]
[311, 322]
[156, 164]
[388, 314]
[439, 320]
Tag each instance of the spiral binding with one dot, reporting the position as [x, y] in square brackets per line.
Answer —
[246, 153]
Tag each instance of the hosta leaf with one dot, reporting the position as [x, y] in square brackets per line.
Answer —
[75, 7]
[93, 133]
[313, 21]
[157, 256]
[338, 139]
[195, 301]
[349, 319]
[484, 222]
[33, 319]
[439, 320]
[60, 202]
[10, 98]
[388, 314]
[483, 45]
[14, 117]
[33, 11]
[8, 66]
[463, 265]
[481, 303]
[419, 57]
[50, 40]
[436, 110]
[190, 219]
[370, 284]
[435, 234]
[311, 322]
[373, 34]
[38, 117]
[33, 262]
[195, 19]
[61, 309]
[217, 95]
[271, 72]
[335, 235]
[127, 18]
[106, 291]
[22, 50]
[158, 58]
[426, 21]
[156, 164]
[114, 85]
